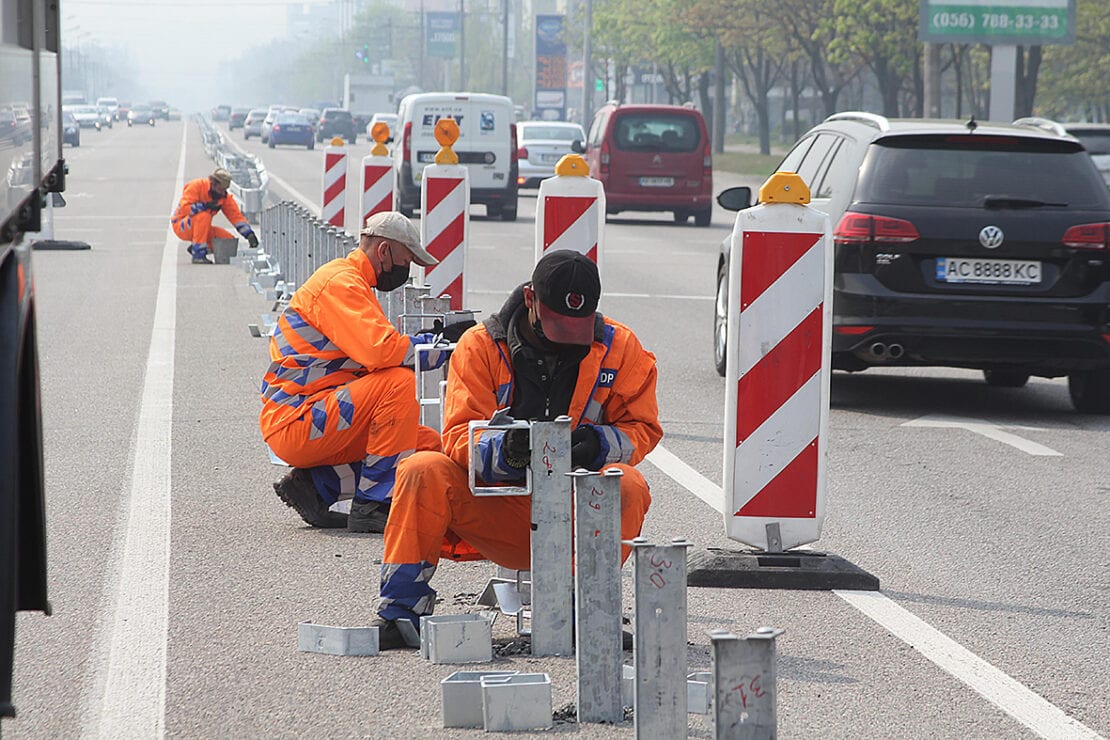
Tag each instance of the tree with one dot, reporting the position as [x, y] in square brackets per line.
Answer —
[883, 35]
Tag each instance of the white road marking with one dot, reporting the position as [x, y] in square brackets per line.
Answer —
[1009, 695]
[991, 431]
[1012, 697]
[134, 681]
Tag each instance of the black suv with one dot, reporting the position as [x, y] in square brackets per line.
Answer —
[983, 246]
[336, 122]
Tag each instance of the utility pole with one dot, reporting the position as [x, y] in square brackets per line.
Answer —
[587, 74]
[462, 44]
[504, 47]
[931, 107]
[719, 107]
[423, 51]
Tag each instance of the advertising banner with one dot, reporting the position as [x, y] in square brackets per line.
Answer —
[998, 22]
[551, 69]
[443, 35]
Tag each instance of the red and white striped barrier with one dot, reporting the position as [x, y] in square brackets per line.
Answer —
[377, 180]
[445, 217]
[777, 377]
[570, 211]
[333, 210]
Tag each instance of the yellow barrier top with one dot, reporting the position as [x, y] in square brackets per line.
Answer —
[446, 133]
[336, 141]
[784, 187]
[572, 165]
[379, 133]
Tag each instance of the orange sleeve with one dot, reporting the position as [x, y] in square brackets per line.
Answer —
[345, 309]
[632, 406]
[190, 194]
[231, 210]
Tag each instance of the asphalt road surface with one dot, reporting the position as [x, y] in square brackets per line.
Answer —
[178, 578]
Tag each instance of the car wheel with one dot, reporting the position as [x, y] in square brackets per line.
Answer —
[77, 141]
[680, 217]
[508, 214]
[703, 218]
[246, 137]
[720, 321]
[311, 145]
[1005, 378]
[1090, 391]
[493, 211]
[271, 144]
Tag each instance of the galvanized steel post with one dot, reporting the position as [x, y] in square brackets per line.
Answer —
[744, 684]
[597, 594]
[552, 578]
[659, 689]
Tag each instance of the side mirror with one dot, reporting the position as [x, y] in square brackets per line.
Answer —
[735, 199]
[577, 146]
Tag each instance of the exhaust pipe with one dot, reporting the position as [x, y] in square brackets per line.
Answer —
[895, 351]
[878, 349]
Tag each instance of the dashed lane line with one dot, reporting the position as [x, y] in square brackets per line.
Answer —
[1006, 693]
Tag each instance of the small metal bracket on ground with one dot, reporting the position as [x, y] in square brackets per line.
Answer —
[806, 570]
[462, 697]
[320, 638]
[516, 702]
[457, 638]
[744, 685]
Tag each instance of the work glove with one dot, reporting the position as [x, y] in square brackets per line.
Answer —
[213, 205]
[584, 447]
[454, 329]
[516, 448]
[432, 359]
[252, 240]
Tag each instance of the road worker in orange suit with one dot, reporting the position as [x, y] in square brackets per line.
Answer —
[546, 353]
[339, 399]
[200, 201]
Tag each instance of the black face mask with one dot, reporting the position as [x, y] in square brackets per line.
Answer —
[393, 278]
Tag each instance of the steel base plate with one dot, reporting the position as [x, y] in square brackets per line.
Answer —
[803, 570]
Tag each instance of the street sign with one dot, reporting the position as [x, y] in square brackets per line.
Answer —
[998, 22]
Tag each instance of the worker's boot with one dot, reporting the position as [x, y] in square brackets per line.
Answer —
[297, 490]
[368, 516]
[200, 254]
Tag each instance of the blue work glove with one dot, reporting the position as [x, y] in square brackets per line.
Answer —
[429, 360]
[252, 240]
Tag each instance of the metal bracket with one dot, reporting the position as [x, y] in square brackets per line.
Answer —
[319, 638]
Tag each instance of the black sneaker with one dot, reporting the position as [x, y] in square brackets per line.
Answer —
[296, 490]
[390, 636]
[368, 516]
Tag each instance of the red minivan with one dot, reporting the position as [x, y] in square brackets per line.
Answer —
[653, 158]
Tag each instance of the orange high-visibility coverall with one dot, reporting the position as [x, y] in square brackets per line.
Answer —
[614, 392]
[197, 227]
[336, 391]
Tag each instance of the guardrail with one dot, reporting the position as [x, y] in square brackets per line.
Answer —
[249, 181]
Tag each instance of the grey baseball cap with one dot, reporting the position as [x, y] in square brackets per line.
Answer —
[394, 226]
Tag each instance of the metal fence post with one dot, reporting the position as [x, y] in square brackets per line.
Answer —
[552, 578]
[745, 696]
[597, 594]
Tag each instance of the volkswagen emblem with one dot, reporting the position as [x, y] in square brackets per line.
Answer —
[991, 237]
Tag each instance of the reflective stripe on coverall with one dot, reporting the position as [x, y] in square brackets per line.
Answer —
[616, 385]
[336, 398]
[197, 228]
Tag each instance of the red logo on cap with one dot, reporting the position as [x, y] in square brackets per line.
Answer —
[575, 301]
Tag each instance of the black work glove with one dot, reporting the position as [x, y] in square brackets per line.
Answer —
[584, 447]
[252, 240]
[213, 205]
[454, 329]
[517, 448]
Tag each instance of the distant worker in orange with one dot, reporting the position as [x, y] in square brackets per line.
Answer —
[201, 200]
[339, 399]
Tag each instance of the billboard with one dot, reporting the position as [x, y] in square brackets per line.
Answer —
[998, 22]
[442, 35]
[551, 69]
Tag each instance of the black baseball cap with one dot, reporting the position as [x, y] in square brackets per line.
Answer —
[568, 288]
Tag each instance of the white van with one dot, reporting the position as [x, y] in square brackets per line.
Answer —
[486, 145]
[112, 104]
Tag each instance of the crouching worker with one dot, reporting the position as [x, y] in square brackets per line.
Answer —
[201, 200]
[339, 399]
[546, 353]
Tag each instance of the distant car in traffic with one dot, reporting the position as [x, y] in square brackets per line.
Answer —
[236, 118]
[336, 122]
[271, 115]
[389, 119]
[956, 244]
[313, 116]
[87, 116]
[252, 124]
[71, 130]
[221, 112]
[112, 104]
[106, 117]
[1095, 138]
[141, 113]
[161, 109]
[291, 128]
[540, 146]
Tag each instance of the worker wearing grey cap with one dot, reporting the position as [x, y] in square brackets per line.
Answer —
[339, 401]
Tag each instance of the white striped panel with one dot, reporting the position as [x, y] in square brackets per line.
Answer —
[580, 236]
[446, 211]
[440, 276]
[781, 307]
[336, 172]
[374, 194]
[777, 441]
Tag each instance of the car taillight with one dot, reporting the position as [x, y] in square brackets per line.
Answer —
[522, 153]
[406, 142]
[858, 228]
[1088, 236]
[275, 127]
[707, 161]
[517, 154]
[604, 157]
